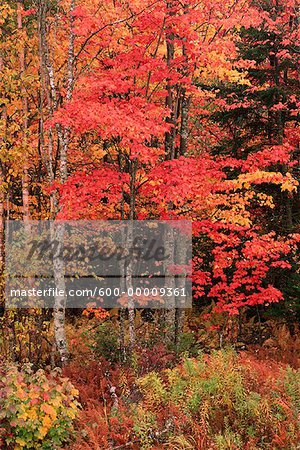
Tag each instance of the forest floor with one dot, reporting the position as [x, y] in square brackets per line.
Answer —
[244, 396]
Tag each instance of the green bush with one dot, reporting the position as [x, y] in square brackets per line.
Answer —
[106, 342]
[37, 410]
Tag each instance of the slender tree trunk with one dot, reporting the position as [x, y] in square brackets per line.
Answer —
[183, 146]
[170, 135]
[58, 232]
[180, 285]
[25, 177]
[185, 103]
[2, 197]
[184, 126]
[172, 102]
[122, 275]
[122, 311]
[129, 289]
[170, 310]
[59, 269]
[65, 133]
[2, 230]
[48, 96]
[129, 267]
[178, 102]
[2, 222]
[58, 229]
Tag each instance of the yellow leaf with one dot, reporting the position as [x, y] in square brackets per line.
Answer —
[47, 421]
[43, 431]
[21, 442]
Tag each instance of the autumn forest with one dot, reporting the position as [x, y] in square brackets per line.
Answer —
[168, 132]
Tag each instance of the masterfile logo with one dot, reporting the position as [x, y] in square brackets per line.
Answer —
[106, 262]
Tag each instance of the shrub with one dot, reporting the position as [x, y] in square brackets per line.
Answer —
[220, 402]
[106, 343]
[37, 410]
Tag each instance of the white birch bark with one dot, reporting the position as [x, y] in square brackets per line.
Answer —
[58, 229]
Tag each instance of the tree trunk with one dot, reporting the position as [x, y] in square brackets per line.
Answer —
[58, 229]
[129, 267]
[170, 135]
[2, 199]
[180, 285]
[170, 310]
[25, 177]
[184, 126]
[2, 213]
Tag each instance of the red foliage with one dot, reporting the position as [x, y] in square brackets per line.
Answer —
[126, 106]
